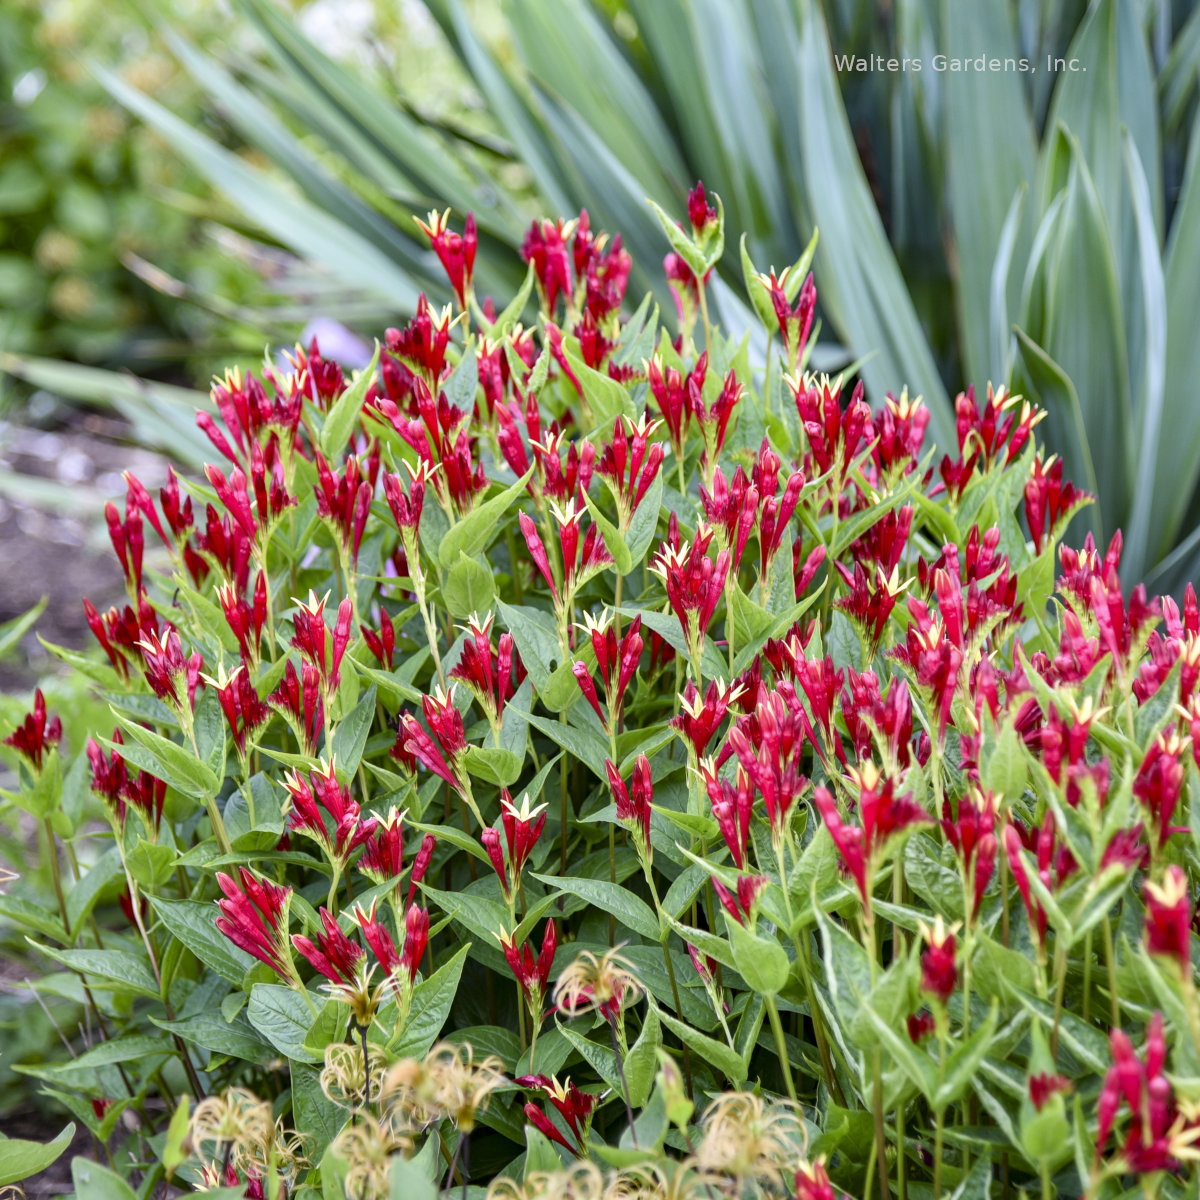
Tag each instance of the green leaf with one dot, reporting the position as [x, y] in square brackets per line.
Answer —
[605, 398]
[194, 924]
[642, 1063]
[630, 910]
[117, 966]
[533, 631]
[717, 1054]
[760, 961]
[21, 1159]
[431, 1001]
[346, 412]
[469, 588]
[281, 1015]
[98, 1183]
[1004, 769]
[350, 737]
[860, 282]
[584, 744]
[174, 1155]
[471, 534]
[152, 752]
[613, 538]
[312, 1113]
[237, 1038]
[12, 631]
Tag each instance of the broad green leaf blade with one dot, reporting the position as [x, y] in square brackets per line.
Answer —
[21, 1159]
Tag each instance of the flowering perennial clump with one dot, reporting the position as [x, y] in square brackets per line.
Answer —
[581, 759]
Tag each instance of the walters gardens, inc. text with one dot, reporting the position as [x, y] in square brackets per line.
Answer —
[982, 64]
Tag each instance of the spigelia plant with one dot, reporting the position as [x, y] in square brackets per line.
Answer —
[578, 760]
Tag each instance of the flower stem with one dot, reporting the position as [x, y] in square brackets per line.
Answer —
[612, 1028]
[781, 1046]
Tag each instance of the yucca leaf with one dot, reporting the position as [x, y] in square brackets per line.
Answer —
[512, 112]
[262, 128]
[1037, 376]
[163, 415]
[572, 57]
[1000, 330]
[1152, 379]
[991, 152]
[430, 161]
[1084, 334]
[861, 286]
[1179, 453]
[303, 227]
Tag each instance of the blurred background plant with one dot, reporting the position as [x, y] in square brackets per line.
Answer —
[1037, 229]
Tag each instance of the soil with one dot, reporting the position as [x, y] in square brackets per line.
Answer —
[54, 483]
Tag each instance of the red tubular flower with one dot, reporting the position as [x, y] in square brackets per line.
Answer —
[127, 540]
[629, 464]
[382, 644]
[732, 509]
[694, 584]
[701, 717]
[1044, 1085]
[732, 808]
[343, 501]
[1141, 1086]
[1048, 500]
[900, 430]
[36, 735]
[1054, 865]
[769, 744]
[972, 833]
[334, 955]
[322, 794]
[491, 675]
[834, 437]
[939, 974]
[1169, 917]
[633, 810]
[170, 675]
[575, 1108]
[545, 249]
[869, 606]
[522, 828]
[310, 637]
[537, 551]
[456, 252]
[933, 659]
[670, 390]
[245, 620]
[421, 344]
[795, 321]
[1159, 784]
[254, 917]
[532, 975]
[714, 420]
[400, 966]
[882, 814]
[813, 1183]
[244, 711]
[701, 214]
[298, 698]
[920, 1026]
[740, 905]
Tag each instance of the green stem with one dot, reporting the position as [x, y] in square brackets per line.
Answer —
[780, 1046]
[1110, 960]
[708, 343]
